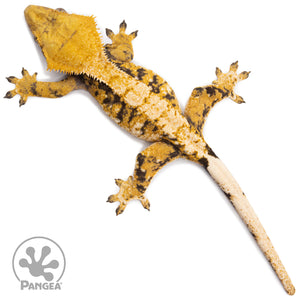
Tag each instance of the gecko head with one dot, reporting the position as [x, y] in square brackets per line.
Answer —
[69, 42]
[121, 46]
[43, 22]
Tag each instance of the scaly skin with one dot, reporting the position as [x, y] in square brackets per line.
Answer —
[140, 101]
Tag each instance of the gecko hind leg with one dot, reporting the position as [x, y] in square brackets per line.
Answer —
[28, 86]
[148, 163]
[204, 98]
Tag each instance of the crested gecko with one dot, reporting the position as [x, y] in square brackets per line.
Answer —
[141, 102]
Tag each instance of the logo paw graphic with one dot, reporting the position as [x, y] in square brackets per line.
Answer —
[36, 268]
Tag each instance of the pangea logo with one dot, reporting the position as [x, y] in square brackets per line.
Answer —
[39, 264]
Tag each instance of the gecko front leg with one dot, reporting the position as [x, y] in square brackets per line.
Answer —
[28, 86]
[148, 163]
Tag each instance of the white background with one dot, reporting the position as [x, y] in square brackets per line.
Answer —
[59, 158]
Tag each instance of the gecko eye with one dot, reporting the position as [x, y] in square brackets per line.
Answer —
[61, 10]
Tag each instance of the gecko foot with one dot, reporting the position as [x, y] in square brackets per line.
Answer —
[24, 87]
[121, 46]
[229, 80]
[126, 193]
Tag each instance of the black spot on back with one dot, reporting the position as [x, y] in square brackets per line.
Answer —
[122, 112]
[143, 128]
[124, 69]
[170, 96]
[141, 72]
[155, 87]
[133, 113]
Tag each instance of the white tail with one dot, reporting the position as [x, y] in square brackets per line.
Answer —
[231, 188]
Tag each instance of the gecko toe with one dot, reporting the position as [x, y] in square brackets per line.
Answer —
[22, 100]
[10, 94]
[120, 209]
[12, 79]
[111, 199]
[146, 204]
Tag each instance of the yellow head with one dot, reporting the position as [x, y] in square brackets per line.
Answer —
[70, 43]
